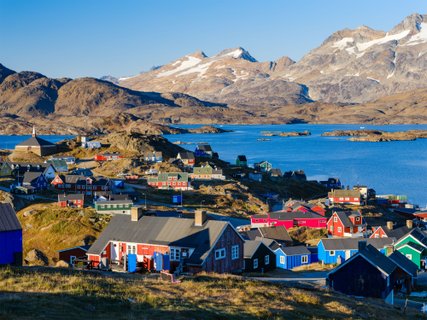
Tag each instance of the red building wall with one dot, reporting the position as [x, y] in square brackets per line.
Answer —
[76, 252]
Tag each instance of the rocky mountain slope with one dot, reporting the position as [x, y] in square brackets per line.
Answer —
[350, 66]
[232, 76]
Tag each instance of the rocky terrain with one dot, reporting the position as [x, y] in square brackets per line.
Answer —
[377, 135]
[350, 66]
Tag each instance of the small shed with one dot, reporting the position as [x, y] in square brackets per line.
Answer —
[258, 257]
[70, 254]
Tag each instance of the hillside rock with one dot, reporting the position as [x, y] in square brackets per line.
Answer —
[36, 257]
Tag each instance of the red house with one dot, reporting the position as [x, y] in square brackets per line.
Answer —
[71, 200]
[80, 184]
[308, 219]
[70, 254]
[390, 231]
[294, 205]
[108, 157]
[169, 244]
[346, 224]
[345, 197]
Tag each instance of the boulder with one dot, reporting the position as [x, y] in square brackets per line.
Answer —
[62, 264]
[36, 257]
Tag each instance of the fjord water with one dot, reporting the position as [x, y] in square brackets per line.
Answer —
[398, 167]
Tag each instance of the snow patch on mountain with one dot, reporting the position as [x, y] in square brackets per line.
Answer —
[387, 38]
[343, 43]
[420, 37]
[182, 65]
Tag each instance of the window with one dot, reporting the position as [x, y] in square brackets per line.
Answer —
[332, 252]
[131, 249]
[267, 259]
[347, 199]
[255, 263]
[409, 256]
[377, 235]
[357, 218]
[235, 252]
[339, 229]
[220, 254]
[175, 254]
[304, 259]
[282, 260]
[335, 219]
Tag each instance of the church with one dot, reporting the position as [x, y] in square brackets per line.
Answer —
[36, 145]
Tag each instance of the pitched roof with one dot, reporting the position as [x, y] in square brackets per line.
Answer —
[8, 218]
[414, 246]
[378, 259]
[295, 251]
[279, 215]
[188, 155]
[404, 263]
[344, 193]
[373, 256]
[31, 176]
[241, 157]
[168, 231]
[72, 196]
[204, 147]
[396, 233]
[344, 217]
[35, 141]
[277, 233]
[272, 244]
[353, 243]
[250, 247]
[416, 234]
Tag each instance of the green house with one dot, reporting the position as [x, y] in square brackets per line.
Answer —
[113, 206]
[413, 245]
[241, 161]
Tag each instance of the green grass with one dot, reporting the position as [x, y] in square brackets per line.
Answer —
[41, 293]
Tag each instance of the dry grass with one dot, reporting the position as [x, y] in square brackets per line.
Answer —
[50, 228]
[65, 294]
[307, 235]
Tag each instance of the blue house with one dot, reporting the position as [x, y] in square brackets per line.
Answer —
[10, 236]
[36, 180]
[336, 250]
[291, 257]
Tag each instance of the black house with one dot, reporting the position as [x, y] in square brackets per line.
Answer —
[258, 257]
[369, 273]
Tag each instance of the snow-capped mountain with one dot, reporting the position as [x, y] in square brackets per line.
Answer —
[357, 65]
[231, 76]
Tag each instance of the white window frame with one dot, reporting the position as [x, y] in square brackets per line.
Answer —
[175, 254]
[255, 263]
[335, 219]
[220, 254]
[304, 259]
[235, 252]
[131, 249]
[339, 229]
[332, 253]
[267, 260]
[282, 259]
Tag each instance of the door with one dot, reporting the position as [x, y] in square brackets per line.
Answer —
[114, 251]
[347, 255]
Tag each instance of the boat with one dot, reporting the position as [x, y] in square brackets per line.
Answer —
[263, 139]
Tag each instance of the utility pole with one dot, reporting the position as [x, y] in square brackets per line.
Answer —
[181, 198]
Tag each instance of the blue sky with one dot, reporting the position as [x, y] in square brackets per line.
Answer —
[77, 38]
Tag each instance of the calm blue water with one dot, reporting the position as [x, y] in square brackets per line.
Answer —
[390, 167]
[9, 142]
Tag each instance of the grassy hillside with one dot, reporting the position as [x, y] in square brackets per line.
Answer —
[50, 228]
[62, 294]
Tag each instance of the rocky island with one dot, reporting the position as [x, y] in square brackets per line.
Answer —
[378, 135]
[286, 134]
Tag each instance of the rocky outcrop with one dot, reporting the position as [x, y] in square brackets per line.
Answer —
[378, 136]
[36, 257]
